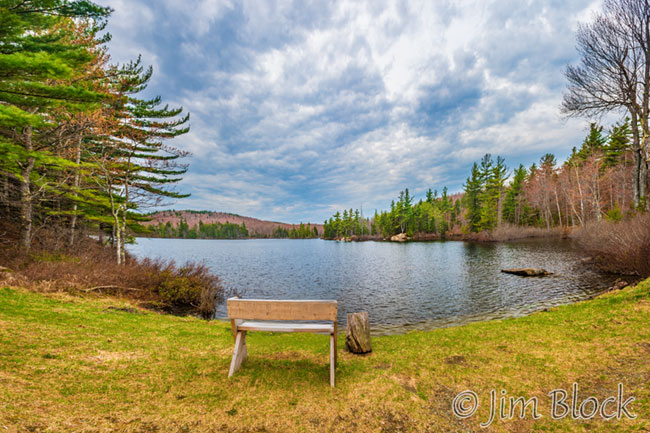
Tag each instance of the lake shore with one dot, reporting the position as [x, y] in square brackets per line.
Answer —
[501, 234]
[93, 364]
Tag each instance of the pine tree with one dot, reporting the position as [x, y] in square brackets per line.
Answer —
[619, 140]
[429, 196]
[41, 59]
[473, 188]
[594, 142]
[512, 206]
[494, 175]
[134, 165]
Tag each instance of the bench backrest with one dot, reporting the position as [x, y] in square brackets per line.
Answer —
[267, 309]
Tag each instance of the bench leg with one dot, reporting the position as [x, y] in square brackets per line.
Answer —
[336, 353]
[239, 354]
[332, 359]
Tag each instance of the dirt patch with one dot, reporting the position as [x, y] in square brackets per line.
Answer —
[391, 421]
[125, 310]
[645, 346]
[456, 360]
[408, 383]
[103, 356]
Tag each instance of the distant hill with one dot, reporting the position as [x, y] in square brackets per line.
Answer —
[256, 227]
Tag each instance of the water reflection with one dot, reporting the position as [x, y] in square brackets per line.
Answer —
[402, 286]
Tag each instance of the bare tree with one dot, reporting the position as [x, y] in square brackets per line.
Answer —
[614, 75]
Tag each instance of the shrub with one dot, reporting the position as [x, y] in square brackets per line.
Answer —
[190, 288]
[614, 214]
[622, 247]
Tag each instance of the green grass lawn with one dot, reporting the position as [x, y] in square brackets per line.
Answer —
[69, 364]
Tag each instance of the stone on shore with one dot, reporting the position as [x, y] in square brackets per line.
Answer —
[399, 238]
[618, 285]
[527, 272]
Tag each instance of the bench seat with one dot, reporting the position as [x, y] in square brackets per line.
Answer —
[272, 315]
[315, 328]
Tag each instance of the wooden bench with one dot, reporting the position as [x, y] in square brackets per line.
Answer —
[280, 316]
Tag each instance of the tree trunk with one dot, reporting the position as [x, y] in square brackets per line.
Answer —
[117, 238]
[357, 339]
[26, 209]
[582, 203]
[638, 158]
[73, 222]
[557, 203]
[122, 228]
[643, 183]
[547, 211]
[596, 195]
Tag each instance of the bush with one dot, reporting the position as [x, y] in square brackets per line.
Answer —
[621, 247]
[190, 288]
[614, 214]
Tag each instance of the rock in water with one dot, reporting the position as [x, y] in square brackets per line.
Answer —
[399, 238]
[527, 272]
[357, 339]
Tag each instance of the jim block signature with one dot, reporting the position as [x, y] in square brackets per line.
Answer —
[563, 404]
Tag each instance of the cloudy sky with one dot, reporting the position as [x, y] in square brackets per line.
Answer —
[299, 109]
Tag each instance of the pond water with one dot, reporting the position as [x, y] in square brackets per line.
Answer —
[418, 285]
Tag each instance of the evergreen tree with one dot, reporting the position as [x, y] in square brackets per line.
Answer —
[133, 164]
[473, 189]
[512, 206]
[594, 142]
[429, 196]
[494, 175]
[619, 140]
[42, 59]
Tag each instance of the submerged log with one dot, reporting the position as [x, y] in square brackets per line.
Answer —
[527, 272]
[357, 339]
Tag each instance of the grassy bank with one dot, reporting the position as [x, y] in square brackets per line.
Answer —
[93, 365]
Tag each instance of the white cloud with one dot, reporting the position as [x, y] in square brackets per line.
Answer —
[299, 108]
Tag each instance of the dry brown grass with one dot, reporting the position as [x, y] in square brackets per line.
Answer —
[508, 232]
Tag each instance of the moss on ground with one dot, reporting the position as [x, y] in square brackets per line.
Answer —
[96, 365]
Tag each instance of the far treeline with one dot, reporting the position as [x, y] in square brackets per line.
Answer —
[596, 182]
[228, 230]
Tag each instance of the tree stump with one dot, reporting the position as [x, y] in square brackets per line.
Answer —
[357, 339]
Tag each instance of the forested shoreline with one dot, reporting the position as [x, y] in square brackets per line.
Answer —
[227, 230]
[205, 224]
